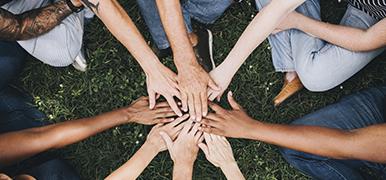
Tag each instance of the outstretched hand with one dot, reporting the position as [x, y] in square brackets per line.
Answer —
[230, 123]
[163, 81]
[185, 148]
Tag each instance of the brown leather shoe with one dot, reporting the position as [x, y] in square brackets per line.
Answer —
[289, 89]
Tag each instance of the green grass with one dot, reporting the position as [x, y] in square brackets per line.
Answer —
[114, 80]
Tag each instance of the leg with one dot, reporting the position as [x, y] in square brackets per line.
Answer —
[206, 11]
[152, 19]
[359, 110]
[322, 66]
[57, 169]
[12, 58]
[61, 45]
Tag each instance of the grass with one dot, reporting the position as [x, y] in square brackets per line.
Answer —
[114, 80]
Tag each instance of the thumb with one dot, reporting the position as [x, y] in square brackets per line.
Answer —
[232, 101]
[152, 99]
[213, 85]
[167, 139]
[204, 149]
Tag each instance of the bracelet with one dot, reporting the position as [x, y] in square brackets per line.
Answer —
[73, 7]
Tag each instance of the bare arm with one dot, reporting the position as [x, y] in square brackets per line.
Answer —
[365, 144]
[160, 80]
[56, 136]
[32, 23]
[354, 39]
[193, 81]
[256, 32]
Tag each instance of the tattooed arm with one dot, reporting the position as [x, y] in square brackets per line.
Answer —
[32, 23]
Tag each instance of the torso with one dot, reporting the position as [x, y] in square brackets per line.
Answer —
[375, 8]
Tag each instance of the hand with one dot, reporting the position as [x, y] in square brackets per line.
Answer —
[194, 82]
[163, 81]
[222, 81]
[230, 123]
[217, 150]
[171, 129]
[288, 23]
[76, 3]
[140, 113]
[184, 149]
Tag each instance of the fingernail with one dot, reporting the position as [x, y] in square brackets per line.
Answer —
[230, 93]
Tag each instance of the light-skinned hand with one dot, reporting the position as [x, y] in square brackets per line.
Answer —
[217, 150]
[163, 81]
[172, 129]
[222, 80]
[184, 149]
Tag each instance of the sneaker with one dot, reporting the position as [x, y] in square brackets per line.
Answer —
[162, 53]
[80, 63]
[204, 49]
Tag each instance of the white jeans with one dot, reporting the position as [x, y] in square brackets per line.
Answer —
[58, 47]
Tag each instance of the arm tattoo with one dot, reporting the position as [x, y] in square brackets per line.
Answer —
[32, 23]
[94, 7]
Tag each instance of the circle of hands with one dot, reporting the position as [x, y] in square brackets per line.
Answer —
[184, 136]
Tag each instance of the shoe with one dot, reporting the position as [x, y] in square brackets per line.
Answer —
[289, 89]
[204, 49]
[80, 62]
[162, 53]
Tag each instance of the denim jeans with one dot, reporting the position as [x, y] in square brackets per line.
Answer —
[204, 11]
[359, 110]
[320, 65]
[17, 113]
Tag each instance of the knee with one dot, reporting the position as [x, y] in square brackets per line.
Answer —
[315, 80]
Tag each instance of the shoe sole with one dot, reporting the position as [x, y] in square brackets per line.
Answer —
[211, 48]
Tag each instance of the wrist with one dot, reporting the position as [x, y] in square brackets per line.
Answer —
[151, 148]
[248, 131]
[75, 5]
[184, 163]
[229, 166]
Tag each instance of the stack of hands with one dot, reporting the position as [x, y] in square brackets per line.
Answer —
[183, 136]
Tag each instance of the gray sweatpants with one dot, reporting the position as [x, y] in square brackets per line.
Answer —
[58, 47]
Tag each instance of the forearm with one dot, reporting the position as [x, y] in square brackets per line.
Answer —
[32, 23]
[232, 171]
[134, 167]
[114, 17]
[365, 144]
[54, 136]
[182, 171]
[174, 25]
[256, 32]
[353, 39]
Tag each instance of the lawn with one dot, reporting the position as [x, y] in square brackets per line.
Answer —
[114, 79]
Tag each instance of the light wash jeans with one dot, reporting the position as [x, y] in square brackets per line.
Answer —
[204, 11]
[320, 65]
[58, 47]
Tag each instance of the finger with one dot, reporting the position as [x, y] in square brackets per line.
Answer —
[184, 101]
[197, 136]
[179, 120]
[162, 104]
[211, 130]
[218, 109]
[157, 96]
[201, 138]
[187, 126]
[191, 107]
[176, 93]
[213, 96]
[232, 101]
[174, 105]
[210, 123]
[152, 99]
[213, 117]
[207, 137]
[204, 149]
[166, 138]
[194, 129]
[204, 104]
[165, 120]
[213, 85]
[197, 107]
[165, 114]
[163, 109]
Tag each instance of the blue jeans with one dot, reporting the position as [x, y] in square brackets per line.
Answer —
[17, 113]
[204, 11]
[320, 65]
[359, 110]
